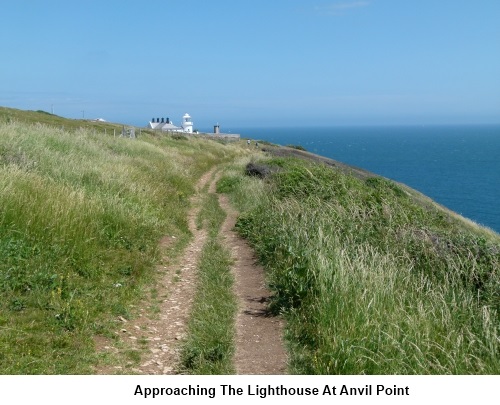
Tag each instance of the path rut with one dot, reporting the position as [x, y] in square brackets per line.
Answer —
[259, 343]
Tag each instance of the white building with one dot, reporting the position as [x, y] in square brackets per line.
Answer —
[167, 125]
[187, 124]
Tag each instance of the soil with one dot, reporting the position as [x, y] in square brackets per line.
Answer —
[259, 343]
[158, 334]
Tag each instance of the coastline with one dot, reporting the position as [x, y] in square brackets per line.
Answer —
[456, 166]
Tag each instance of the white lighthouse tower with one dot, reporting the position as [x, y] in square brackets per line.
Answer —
[187, 124]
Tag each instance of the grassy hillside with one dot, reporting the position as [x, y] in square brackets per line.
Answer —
[42, 117]
[372, 279]
[81, 214]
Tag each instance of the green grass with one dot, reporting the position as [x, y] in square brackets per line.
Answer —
[370, 281]
[11, 115]
[209, 347]
[81, 214]
[372, 277]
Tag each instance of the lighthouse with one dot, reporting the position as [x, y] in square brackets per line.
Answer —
[187, 124]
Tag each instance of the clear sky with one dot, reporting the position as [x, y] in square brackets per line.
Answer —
[254, 62]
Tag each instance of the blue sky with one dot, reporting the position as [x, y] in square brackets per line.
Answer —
[255, 62]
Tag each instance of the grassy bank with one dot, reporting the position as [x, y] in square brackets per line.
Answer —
[372, 277]
[370, 281]
[81, 214]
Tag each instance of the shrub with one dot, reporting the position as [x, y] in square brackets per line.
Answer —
[298, 147]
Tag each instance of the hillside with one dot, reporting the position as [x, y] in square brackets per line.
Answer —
[373, 277]
[81, 216]
[370, 276]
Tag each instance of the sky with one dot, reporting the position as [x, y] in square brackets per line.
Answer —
[254, 63]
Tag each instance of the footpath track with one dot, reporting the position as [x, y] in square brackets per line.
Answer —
[259, 345]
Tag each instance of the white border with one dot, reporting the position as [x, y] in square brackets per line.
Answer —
[120, 390]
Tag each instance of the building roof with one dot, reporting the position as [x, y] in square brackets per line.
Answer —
[164, 126]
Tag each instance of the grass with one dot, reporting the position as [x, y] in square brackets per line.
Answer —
[11, 115]
[369, 280]
[372, 277]
[81, 214]
[209, 347]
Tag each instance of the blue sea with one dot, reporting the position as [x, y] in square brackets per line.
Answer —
[457, 166]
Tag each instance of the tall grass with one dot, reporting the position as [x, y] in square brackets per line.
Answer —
[370, 282]
[81, 215]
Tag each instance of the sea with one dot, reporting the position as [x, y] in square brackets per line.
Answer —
[457, 166]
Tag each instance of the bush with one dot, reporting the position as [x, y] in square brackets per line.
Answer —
[298, 147]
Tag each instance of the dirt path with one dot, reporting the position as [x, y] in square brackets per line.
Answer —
[259, 344]
[179, 289]
[160, 329]
[259, 347]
